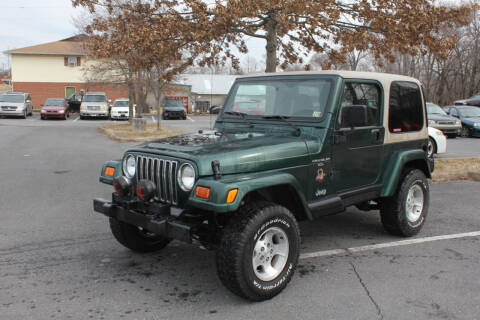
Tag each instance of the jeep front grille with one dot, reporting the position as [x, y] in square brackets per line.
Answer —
[163, 173]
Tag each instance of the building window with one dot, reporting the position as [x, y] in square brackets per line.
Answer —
[72, 61]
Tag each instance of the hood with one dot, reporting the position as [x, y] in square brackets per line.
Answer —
[238, 152]
[86, 104]
[12, 104]
[441, 117]
[53, 107]
[114, 109]
[471, 121]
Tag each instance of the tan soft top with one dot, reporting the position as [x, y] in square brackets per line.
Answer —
[342, 73]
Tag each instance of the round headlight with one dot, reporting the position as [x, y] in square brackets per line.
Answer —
[186, 177]
[129, 165]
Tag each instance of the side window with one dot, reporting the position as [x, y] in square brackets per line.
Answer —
[363, 99]
[453, 112]
[406, 107]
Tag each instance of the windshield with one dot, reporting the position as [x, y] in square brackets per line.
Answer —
[94, 98]
[434, 109]
[469, 112]
[173, 103]
[15, 98]
[54, 103]
[286, 98]
[122, 103]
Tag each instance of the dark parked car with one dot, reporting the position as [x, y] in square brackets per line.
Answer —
[55, 108]
[74, 102]
[173, 108]
[215, 109]
[464, 102]
[439, 119]
[470, 117]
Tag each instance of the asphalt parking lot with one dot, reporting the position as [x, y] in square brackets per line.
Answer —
[58, 259]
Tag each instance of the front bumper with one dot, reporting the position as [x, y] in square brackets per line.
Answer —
[122, 116]
[94, 114]
[154, 217]
[448, 128]
[52, 115]
[16, 113]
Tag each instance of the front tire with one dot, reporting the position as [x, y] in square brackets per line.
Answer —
[258, 252]
[404, 213]
[135, 238]
[464, 133]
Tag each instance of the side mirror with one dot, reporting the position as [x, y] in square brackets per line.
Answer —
[353, 116]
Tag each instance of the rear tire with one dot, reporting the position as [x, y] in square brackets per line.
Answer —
[404, 213]
[464, 133]
[258, 252]
[136, 239]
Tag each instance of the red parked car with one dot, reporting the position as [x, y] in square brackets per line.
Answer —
[55, 108]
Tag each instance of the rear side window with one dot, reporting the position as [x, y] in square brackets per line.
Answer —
[406, 107]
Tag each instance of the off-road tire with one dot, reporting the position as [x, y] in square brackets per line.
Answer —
[134, 239]
[235, 253]
[393, 210]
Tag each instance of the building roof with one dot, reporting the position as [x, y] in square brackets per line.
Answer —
[218, 84]
[69, 46]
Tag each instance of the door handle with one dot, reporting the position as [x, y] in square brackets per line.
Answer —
[376, 135]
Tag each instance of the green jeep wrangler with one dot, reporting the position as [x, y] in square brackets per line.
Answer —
[317, 143]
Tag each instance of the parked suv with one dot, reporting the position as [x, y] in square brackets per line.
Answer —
[16, 104]
[94, 104]
[317, 143]
[173, 108]
[439, 119]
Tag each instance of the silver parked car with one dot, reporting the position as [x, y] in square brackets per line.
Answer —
[17, 104]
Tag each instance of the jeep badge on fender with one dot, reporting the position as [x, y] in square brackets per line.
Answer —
[286, 147]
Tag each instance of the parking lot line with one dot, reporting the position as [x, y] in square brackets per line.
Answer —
[400, 243]
[76, 118]
[190, 119]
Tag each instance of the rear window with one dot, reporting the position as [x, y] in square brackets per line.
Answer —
[406, 107]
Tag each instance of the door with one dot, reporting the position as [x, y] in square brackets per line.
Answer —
[357, 148]
[69, 91]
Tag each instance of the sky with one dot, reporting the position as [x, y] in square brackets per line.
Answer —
[30, 22]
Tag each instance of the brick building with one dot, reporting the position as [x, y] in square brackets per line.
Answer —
[56, 69]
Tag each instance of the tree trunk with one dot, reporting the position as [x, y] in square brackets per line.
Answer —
[271, 28]
[131, 98]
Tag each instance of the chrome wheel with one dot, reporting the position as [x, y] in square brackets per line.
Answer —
[414, 203]
[270, 254]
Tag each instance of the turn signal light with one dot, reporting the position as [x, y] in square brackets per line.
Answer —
[109, 171]
[202, 192]
[232, 194]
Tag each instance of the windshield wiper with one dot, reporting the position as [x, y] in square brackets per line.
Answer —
[284, 119]
[241, 114]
